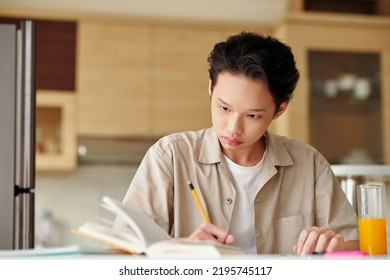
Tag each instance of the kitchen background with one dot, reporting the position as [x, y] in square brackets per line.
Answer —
[112, 77]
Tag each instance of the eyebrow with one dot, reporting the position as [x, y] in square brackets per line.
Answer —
[251, 110]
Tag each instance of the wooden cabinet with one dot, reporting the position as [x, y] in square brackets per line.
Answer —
[114, 80]
[56, 55]
[55, 131]
[179, 99]
[141, 81]
[345, 106]
[349, 34]
[145, 78]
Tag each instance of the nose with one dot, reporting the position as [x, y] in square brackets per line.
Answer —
[234, 124]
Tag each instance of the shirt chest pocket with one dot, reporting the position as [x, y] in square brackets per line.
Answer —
[288, 229]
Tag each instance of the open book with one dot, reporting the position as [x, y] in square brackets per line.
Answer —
[143, 236]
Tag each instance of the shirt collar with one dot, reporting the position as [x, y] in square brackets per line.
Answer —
[277, 151]
[210, 151]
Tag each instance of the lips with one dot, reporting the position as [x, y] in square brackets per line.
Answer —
[232, 141]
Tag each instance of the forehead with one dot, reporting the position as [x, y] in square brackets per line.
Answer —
[233, 88]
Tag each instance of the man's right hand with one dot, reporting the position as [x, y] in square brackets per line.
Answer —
[208, 231]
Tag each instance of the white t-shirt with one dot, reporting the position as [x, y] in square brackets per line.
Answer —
[246, 181]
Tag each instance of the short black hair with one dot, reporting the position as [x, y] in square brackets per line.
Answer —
[257, 57]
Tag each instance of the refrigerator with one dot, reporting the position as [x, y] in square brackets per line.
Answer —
[17, 135]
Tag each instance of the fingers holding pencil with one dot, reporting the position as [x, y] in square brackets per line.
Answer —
[208, 231]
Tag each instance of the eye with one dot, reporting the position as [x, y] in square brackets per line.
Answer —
[252, 116]
[224, 108]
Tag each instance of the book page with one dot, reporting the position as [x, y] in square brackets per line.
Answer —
[191, 249]
[117, 238]
[146, 230]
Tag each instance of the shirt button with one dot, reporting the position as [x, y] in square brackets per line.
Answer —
[229, 201]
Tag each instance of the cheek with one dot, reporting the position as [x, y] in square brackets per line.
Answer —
[256, 130]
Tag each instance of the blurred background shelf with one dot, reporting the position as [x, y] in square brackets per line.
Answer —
[55, 131]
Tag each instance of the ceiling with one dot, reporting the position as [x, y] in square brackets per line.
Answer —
[266, 11]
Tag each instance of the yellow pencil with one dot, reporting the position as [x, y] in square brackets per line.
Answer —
[205, 217]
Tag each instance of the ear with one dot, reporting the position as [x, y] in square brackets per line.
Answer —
[210, 88]
[282, 109]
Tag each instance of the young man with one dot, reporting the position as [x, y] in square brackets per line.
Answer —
[265, 193]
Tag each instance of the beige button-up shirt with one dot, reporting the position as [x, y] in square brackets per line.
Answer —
[298, 190]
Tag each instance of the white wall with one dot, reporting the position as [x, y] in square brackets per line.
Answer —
[75, 198]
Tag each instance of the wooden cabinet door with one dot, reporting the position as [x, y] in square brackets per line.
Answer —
[113, 80]
[180, 99]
